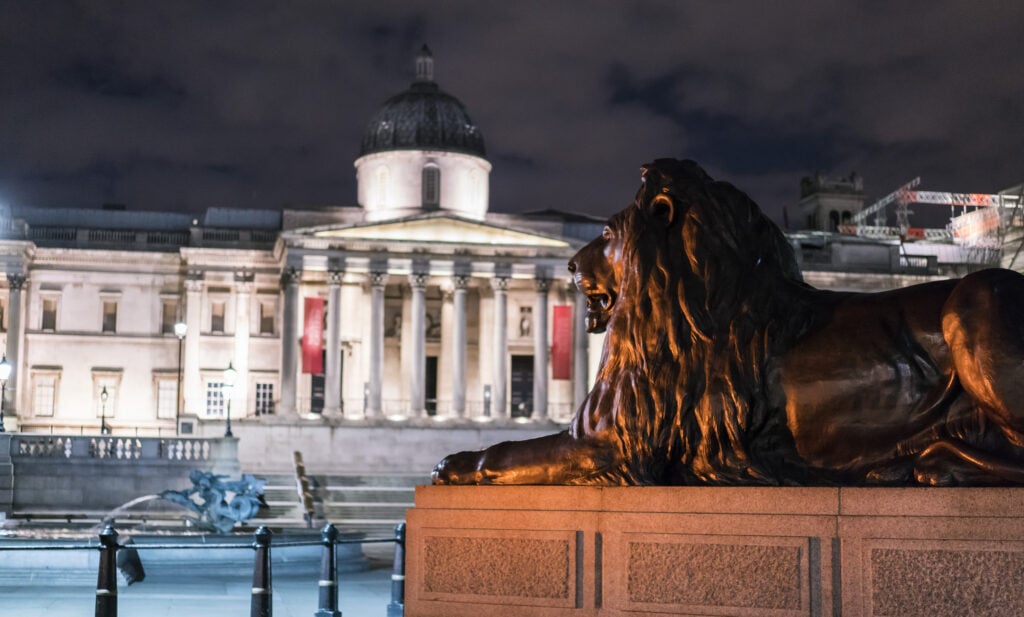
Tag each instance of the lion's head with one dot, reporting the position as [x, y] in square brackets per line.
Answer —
[681, 216]
[687, 282]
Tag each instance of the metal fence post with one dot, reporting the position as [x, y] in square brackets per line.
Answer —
[397, 606]
[106, 583]
[328, 574]
[262, 594]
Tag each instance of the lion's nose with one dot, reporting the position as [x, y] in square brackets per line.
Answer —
[572, 266]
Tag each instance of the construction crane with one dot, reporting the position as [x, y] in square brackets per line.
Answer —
[966, 228]
[879, 205]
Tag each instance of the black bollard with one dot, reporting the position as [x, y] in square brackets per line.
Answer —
[106, 583]
[328, 574]
[262, 594]
[397, 606]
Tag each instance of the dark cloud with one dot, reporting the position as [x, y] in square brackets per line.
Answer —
[187, 105]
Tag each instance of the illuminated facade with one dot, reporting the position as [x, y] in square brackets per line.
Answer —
[417, 304]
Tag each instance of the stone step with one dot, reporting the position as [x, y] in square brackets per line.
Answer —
[371, 503]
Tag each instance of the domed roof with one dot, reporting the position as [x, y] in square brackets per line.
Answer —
[423, 118]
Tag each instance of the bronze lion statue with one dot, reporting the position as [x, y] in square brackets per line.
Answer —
[722, 367]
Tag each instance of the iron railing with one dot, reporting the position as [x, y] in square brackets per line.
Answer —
[261, 604]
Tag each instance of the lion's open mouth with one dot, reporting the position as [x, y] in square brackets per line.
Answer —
[599, 309]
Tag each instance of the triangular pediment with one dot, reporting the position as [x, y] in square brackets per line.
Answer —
[440, 230]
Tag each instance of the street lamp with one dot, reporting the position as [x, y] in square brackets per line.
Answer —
[230, 374]
[5, 373]
[104, 430]
[180, 329]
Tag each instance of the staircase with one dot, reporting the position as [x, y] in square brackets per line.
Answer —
[372, 504]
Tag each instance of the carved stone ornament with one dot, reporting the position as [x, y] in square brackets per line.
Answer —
[722, 367]
[290, 277]
[16, 281]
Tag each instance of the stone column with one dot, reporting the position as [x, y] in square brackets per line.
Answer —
[194, 322]
[499, 392]
[581, 352]
[243, 295]
[540, 350]
[418, 319]
[332, 372]
[15, 282]
[289, 342]
[373, 399]
[461, 283]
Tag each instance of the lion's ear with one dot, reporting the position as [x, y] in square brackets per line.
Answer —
[663, 207]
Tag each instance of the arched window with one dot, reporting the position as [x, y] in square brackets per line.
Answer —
[431, 187]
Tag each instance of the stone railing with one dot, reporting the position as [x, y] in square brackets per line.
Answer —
[98, 473]
[28, 446]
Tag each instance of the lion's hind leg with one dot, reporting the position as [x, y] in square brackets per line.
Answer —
[982, 328]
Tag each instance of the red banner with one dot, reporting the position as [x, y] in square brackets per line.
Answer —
[313, 337]
[561, 342]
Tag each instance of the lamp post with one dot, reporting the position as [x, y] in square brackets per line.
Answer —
[229, 386]
[5, 374]
[104, 430]
[180, 329]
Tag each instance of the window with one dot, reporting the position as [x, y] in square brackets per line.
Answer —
[217, 317]
[166, 399]
[168, 316]
[109, 316]
[431, 187]
[44, 395]
[266, 317]
[3, 315]
[49, 314]
[215, 402]
[264, 399]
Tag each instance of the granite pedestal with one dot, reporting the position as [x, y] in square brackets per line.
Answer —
[779, 552]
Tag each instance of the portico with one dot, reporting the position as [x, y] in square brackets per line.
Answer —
[431, 320]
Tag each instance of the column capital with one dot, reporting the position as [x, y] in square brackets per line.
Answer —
[460, 281]
[378, 279]
[194, 280]
[334, 277]
[16, 281]
[499, 283]
[244, 281]
[290, 277]
[542, 285]
[418, 280]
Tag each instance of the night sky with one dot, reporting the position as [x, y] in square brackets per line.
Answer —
[187, 105]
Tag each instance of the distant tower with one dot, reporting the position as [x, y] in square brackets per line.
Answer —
[826, 203]
[421, 152]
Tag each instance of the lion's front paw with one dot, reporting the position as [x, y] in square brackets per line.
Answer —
[461, 468]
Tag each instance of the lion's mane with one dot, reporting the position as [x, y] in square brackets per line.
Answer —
[702, 306]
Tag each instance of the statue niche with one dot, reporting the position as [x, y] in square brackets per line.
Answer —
[722, 367]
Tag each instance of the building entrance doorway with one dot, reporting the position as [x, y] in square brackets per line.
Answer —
[521, 392]
[430, 387]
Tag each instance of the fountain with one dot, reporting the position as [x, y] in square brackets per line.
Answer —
[206, 513]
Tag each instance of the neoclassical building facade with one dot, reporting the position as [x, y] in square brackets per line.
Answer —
[416, 305]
